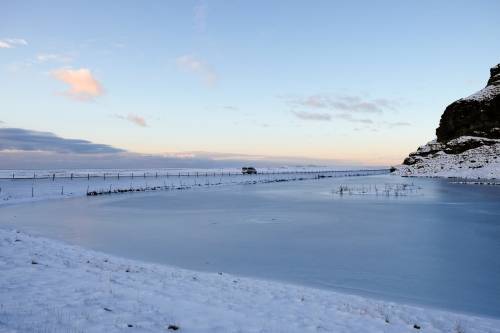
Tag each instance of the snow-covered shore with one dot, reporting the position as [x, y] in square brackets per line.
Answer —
[47, 286]
[465, 157]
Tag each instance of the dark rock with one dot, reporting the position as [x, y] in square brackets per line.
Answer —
[417, 327]
[463, 144]
[476, 115]
[173, 327]
[410, 160]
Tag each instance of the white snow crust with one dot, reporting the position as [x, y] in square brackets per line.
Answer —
[47, 286]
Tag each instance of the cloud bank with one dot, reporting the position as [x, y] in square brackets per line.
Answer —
[21, 149]
[83, 85]
[18, 139]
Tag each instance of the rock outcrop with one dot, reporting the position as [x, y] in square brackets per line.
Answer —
[468, 138]
[476, 115]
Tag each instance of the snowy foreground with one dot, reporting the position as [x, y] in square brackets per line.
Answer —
[46, 286]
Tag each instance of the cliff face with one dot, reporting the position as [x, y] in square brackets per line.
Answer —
[468, 138]
[476, 115]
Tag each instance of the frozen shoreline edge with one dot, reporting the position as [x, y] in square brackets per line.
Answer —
[137, 293]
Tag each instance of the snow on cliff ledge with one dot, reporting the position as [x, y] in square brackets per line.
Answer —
[463, 157]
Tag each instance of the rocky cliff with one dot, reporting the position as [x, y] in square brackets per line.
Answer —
[468, 138]
[476, 115]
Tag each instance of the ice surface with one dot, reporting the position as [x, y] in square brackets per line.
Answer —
[30, 185]
[438, 247]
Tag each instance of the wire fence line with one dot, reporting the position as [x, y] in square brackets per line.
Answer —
[46, 186]
[156, 174]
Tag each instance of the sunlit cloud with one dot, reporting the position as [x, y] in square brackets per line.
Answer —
[194, 65]
[133, 118]
[10, 43]
[82, 84]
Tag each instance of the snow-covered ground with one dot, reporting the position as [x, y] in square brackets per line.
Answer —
[435, 160]
[46, 286]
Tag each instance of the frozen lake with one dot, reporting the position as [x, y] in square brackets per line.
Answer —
[432, 242]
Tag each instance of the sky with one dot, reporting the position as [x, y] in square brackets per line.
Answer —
[360, 82]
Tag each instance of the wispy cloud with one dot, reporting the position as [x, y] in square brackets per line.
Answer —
[10, 43]
[305, 115]
[133, 118]
[350, 108]
[398, 124]
[19, 139]
[344, 103]
[200, 16]
[53, 57]
[348, 117]
[231, 107]
[83, 85]
[197, 66]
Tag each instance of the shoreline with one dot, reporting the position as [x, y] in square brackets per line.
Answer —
[46, 283]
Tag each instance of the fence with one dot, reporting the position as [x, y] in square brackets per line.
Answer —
[24, 186]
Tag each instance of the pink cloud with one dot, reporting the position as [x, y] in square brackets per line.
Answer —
[82, 84]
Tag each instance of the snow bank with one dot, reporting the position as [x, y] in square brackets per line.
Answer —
[46, 286]
[464, 157]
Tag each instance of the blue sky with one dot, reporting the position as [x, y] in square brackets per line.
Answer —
[357, 81]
